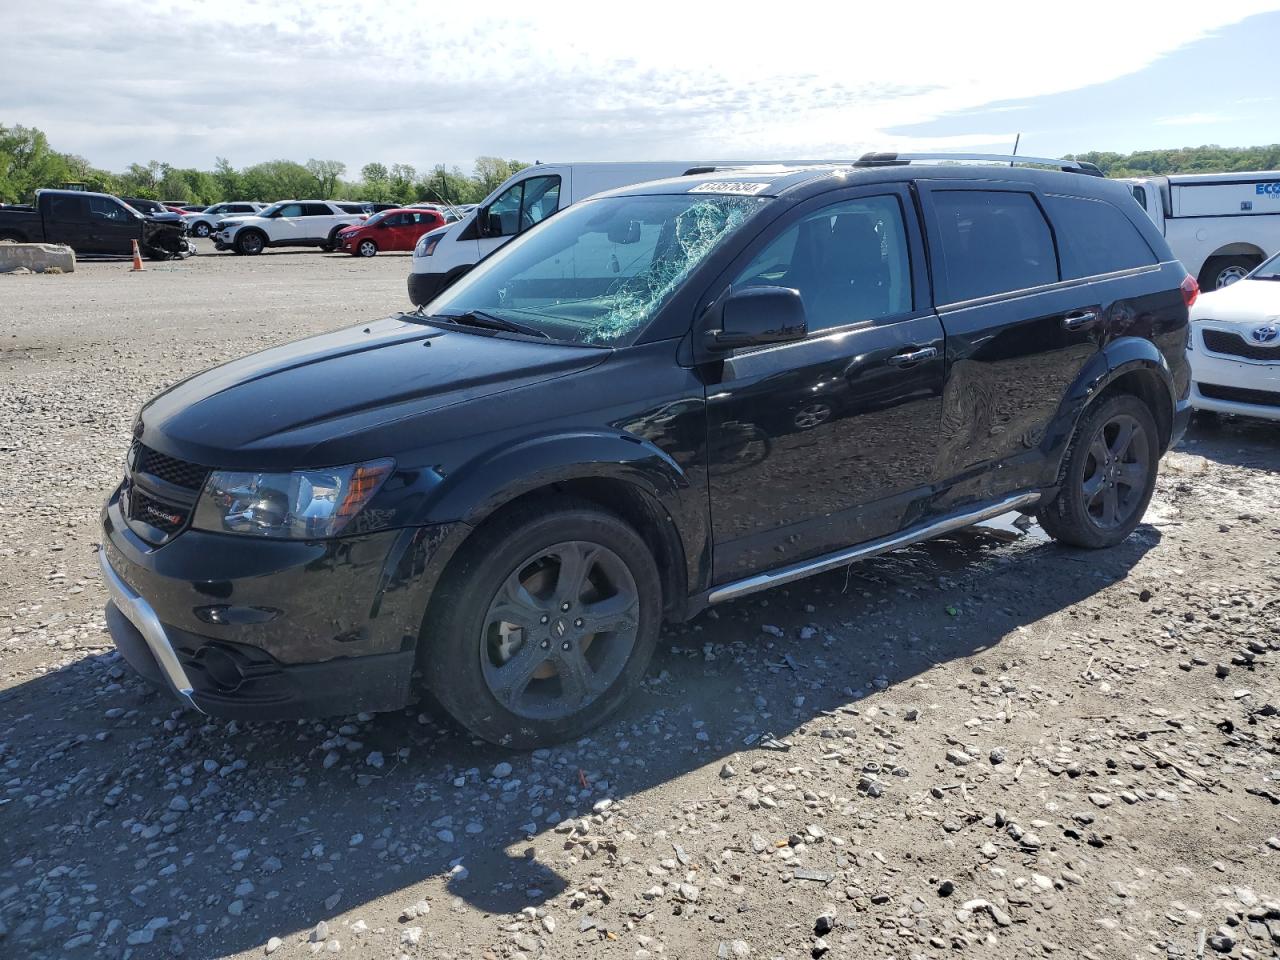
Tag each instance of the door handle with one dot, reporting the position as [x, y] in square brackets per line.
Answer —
[1079, 319]
[910, 357]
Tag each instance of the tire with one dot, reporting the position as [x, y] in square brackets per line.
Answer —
[501, 604]
[1219, 272]
[367, 248]
[331, 244]
[1099, 460]
[201, 229]
[249, 243]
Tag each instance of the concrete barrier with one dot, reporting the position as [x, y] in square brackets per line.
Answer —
[36, 257]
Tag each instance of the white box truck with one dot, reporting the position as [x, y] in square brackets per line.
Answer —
[1220, 225]
[526, 198]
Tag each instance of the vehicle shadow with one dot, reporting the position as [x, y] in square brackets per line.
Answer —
[321, 818]
[1235, 441]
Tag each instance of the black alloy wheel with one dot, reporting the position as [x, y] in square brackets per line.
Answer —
[1108, 475]
[1116, 473]
[543, 623]
[560, 630]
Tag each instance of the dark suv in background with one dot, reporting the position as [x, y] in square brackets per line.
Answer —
[666, 397]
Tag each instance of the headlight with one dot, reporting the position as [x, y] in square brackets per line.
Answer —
[427, 245]
[303, 505]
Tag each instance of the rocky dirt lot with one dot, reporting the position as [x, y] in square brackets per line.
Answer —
[989, 747]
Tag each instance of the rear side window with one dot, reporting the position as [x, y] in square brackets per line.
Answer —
[992, 242]
[68, 209]
[1096, 237]
[316, 210]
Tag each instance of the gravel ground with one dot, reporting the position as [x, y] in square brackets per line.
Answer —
[989, 744]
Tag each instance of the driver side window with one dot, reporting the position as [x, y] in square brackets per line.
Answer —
[290, 210]
[523, 205]
[849, 261]
[102, 208]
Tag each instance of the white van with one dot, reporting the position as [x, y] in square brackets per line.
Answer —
[524, 199]
[1220, 225]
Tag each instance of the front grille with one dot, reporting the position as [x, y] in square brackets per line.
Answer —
[1234, 345]
[178, 472]
[1260, 398]
[168, 518]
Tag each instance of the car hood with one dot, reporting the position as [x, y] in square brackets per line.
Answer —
[1247, 302]
[309, 403]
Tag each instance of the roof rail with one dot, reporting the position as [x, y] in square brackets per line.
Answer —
[893, 159]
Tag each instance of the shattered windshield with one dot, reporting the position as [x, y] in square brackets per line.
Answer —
[598, 272]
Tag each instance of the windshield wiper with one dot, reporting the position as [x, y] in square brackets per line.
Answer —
[487, 321]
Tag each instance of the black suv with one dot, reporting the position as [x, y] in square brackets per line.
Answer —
[662, 398]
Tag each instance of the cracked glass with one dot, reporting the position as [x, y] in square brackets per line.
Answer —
[599, 271]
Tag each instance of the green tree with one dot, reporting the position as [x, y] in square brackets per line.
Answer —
[328, 174]
[27, 164]
[491, 171]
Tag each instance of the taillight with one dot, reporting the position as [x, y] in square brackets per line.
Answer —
[1190, 289]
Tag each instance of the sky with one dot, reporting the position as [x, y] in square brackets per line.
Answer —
[185, 81]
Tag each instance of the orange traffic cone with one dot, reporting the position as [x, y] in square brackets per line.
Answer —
[137, 258]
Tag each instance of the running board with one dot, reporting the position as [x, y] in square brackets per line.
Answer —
[806, 568]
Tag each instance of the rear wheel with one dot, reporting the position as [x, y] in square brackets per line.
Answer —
[367, 248]
[544, 623]
[1219, 272]
[1109, 476]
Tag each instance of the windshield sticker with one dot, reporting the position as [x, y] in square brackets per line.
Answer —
[731, 186]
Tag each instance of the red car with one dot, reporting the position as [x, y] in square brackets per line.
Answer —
[388, 230]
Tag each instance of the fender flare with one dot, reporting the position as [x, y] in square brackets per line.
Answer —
[469, 495]
[1120, 357]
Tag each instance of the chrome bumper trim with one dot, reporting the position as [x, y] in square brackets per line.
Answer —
[830, 561]
[142, 616]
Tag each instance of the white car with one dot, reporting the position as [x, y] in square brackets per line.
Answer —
[1235, 346]
[289, 223]
[202, 222]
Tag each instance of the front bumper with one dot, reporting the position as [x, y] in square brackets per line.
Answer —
[265, 630]
[1247, 388]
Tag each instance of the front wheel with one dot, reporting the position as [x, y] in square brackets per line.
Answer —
[544, 623]
[201, 229]
[250, 243]
[1109, 477]
[367, 248]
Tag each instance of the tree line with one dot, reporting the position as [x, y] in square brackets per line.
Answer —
[28, 163]
[1208, 159]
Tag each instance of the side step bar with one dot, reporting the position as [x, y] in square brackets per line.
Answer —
[830, 561]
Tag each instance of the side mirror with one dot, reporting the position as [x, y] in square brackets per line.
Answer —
[754, 317]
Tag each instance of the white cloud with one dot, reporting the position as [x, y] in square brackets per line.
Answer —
[187, 80]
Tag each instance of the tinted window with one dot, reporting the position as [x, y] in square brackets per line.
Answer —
[849, 262]
[104, 208]
[1140, 194]
[240, 208]
[992, 242]
[316, 210]
[1096, 237]
[68, 209]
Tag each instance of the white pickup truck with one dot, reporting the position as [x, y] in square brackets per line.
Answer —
[1220, 225]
